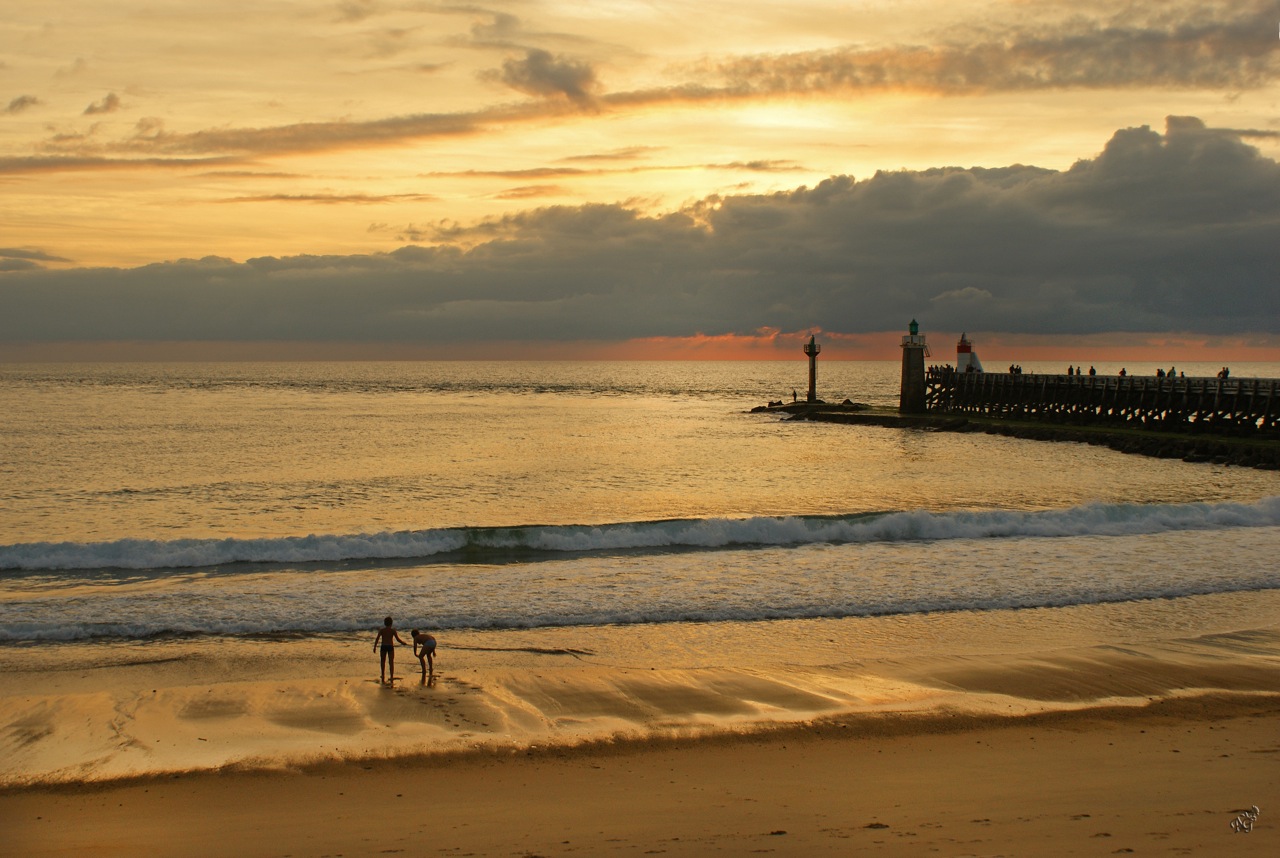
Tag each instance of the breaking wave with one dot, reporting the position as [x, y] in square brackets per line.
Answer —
[494, 544]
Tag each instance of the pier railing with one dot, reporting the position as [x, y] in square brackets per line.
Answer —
[1216, 405]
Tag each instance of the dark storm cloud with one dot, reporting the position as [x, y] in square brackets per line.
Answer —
[1159, 232]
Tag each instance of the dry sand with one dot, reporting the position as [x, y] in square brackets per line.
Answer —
[1150, 745]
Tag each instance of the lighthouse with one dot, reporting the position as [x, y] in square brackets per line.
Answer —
[966, 357]
[811, 349]
[914, 351]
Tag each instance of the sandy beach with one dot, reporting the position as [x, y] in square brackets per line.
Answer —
[1163, 780]
[1082, 731]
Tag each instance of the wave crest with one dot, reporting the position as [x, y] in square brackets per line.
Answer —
[490, 544]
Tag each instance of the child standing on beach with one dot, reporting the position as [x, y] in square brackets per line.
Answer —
[387, 637]
[424, 647]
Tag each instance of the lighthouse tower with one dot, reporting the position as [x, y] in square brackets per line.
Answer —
[966, 357]
[914, 351]
[811, 349]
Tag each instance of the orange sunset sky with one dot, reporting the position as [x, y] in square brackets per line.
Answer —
[621, 179]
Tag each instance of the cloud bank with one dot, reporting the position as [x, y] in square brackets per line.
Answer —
[1229, 46]
[1211, 46]
[1159, 232]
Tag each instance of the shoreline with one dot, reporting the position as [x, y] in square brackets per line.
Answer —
[131, 710]
[1203, 707]
[1089, 730]
[1167, 778]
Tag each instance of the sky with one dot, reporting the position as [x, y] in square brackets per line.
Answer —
[564, 179]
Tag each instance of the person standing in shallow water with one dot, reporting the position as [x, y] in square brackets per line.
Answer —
[424, 647]
[386, 638]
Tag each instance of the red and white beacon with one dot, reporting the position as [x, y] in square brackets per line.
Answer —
[966, 357]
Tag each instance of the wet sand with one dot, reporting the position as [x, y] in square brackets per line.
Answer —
[1092, 731]
[1164, 780]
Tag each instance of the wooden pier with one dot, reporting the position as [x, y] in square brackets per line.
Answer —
[1217, 406]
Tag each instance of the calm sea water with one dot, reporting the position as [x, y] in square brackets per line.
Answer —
[144, 500]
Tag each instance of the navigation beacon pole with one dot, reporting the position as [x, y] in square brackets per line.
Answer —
[914, 350]
[811, 349]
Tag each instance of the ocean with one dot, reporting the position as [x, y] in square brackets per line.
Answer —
[144, 503]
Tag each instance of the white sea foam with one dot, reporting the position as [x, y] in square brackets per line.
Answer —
[1085, 556]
